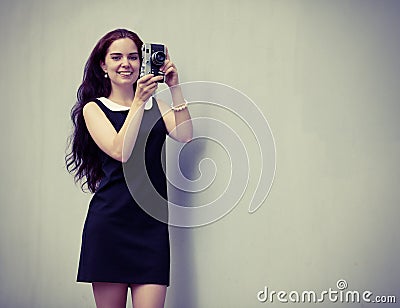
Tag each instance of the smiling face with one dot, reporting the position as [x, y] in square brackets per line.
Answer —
[122, 63]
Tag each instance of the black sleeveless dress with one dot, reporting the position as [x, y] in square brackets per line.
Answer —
[120, 242]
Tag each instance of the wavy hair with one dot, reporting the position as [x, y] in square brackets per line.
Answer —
[84, 156]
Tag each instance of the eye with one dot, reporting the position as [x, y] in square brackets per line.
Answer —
[116, 58]
[133, 58]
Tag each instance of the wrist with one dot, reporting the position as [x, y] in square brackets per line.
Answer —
[138, 103]
[177, 95]
[176, 88]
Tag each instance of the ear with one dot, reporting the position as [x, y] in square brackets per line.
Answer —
[103, 66]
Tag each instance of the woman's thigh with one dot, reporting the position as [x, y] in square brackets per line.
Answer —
[148, 295]
[110, 295]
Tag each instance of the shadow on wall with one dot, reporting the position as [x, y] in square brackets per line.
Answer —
[182, 292]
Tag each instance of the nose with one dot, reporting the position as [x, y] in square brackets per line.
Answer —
[125, 62]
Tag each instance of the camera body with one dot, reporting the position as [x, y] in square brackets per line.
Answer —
[153, 57]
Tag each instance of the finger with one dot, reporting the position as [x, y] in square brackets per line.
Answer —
[164, 66]
[156, 79]
[153, 80]
[167, 53]
[145, 78]
[149, 90]
[170, 68]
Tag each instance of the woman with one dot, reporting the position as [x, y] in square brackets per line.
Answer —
[123, 246]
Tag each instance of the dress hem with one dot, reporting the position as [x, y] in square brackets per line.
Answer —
[119, 281]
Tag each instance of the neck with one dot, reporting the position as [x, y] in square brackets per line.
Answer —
[122, 96]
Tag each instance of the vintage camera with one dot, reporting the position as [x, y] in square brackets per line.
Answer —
[153, 57]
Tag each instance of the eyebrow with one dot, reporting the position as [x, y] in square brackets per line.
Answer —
[120, 54]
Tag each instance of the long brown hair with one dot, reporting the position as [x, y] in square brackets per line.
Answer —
[83, 159]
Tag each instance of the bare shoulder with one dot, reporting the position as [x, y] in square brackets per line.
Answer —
[89, 107]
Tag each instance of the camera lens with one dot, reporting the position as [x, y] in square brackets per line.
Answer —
[158, 58]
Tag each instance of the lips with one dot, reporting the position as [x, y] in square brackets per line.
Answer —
[125, 73]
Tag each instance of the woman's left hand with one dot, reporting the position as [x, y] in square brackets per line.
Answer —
[170, 71]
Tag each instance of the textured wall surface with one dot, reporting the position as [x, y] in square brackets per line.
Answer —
[325, 75]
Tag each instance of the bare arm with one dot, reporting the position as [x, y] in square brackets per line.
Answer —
[178, 123]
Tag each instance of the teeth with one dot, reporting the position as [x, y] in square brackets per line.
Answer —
[125, 73]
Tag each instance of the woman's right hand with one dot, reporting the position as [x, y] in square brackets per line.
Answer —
[145, 88]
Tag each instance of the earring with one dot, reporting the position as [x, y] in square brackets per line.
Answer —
[105, 75]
